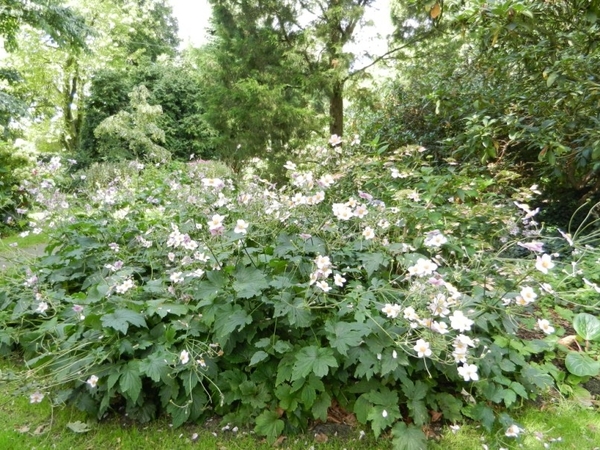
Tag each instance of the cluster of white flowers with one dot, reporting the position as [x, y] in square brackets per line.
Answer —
[124, 286]
[422, 268]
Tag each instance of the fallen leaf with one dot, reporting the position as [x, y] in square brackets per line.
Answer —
[321, 438]
[22, 429]
[435, 11]
[435, 415]
[40, 430]
[280, 440]
[78, 427]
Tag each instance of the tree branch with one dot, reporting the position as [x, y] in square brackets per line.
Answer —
[390, 52]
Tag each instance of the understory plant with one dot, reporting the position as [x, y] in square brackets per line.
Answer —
[376, 285]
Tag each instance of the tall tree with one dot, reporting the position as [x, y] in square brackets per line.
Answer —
[125, 33]
[56, 24]
[292, 53]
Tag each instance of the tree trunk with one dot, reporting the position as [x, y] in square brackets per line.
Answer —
[336, 109]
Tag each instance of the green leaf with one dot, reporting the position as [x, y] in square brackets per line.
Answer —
[509, 397]
[450, 406]
[79, 427]
[161, 309]
[320, 407]
[270, 425]
[382, 417]
[258, 357]
[581, 365]
[372, 261]
[344, 335]
[287, 399]
[519, 389]
[551, 78]
[130, 381]
[154, 367]
[179, 414]
[587, 326]
[313, 359]
[296, 311]
[228, 319]
[249, 282]
[481, 413]
[122, 318]
[408, 437]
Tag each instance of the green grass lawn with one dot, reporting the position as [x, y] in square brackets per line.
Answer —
[558, 424]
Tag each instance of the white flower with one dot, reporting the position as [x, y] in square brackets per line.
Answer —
[384, 413]
[323, 286]
[338, 280]
[460, 322]
[435, 239]
[533, 246]
[392, 311]
[341, 211]
[176, 277]
[216, 223]
[323, 262]
[42, 307]
[368, 233]
[512, 431]
[125, 286]
[567, 237]
[439, 327]
[114, 246]
[592, 285]
[527, 296]
[290, 166]
[422, 267]
[92, 381]
[326, 181]
[468, 372]
[383, 224]
[36, 397]
[361, 211]
[422, 348]
[184, 357]
[544, 263]
[335, 140]
[410, 314]
[241, 227]
[545, 326]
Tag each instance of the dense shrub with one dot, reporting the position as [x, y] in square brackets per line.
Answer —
[386, 287]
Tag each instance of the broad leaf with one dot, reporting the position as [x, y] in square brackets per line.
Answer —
[122, 318]
[587, 326]
[408, 437]
[249, 282]
[372, 261]
[230, 318]
[155, 367]
[313, 359]
[258, 357]
[343, 335]
[130, 381]
[270, 425]
[582, 365]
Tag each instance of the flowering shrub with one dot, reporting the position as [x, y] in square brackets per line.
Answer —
[387, 287]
